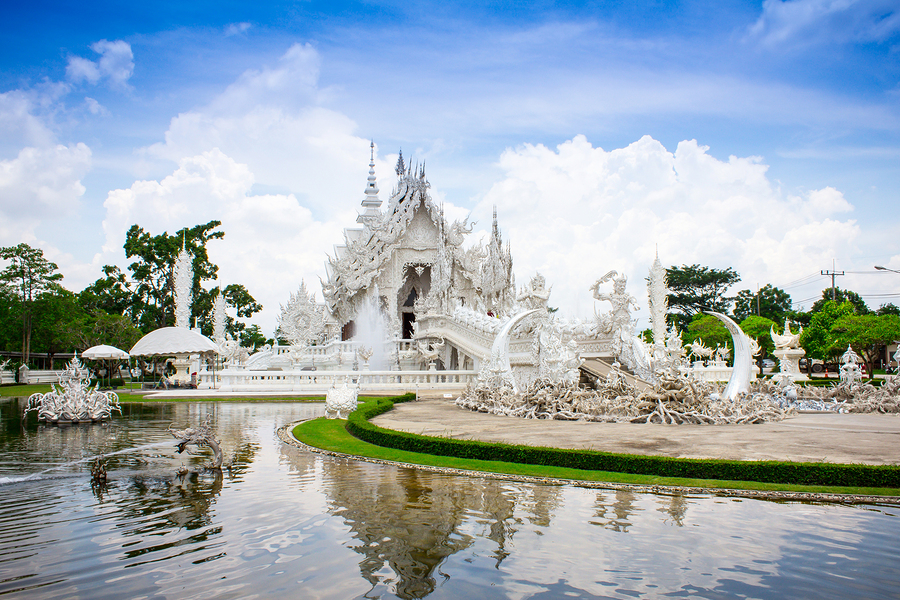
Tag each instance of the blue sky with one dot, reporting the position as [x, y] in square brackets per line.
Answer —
[258, 114]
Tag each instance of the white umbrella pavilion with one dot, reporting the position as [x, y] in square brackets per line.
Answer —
[106, 354]
[174, 341]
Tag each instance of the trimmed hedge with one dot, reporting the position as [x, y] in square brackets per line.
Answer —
[824, 474]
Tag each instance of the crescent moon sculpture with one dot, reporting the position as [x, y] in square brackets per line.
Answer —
[499, 361]
[740, 375]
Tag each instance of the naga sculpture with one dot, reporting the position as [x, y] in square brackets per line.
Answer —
[203, 435]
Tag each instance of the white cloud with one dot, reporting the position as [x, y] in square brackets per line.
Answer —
[577, 212]
[270, 120]
[271, 241]
[40, 184]
[116, 65]
[809, 22]
[236, 28]
[21, 121]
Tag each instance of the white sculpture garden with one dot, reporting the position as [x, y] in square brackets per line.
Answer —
[409, 305]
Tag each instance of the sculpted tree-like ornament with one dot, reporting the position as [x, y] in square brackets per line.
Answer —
[302, 320]
[184, 280]
[76, 401]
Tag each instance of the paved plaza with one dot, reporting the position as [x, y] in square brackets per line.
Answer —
[809, 437]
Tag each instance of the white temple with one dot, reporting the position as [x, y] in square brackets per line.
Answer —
[409, 304]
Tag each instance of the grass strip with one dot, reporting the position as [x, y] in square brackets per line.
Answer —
[332, 435]
[849, 479]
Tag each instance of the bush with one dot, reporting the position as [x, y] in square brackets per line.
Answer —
[823, 474]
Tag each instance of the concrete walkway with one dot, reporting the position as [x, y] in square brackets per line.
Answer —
[812, 437]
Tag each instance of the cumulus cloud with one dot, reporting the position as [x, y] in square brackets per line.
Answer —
[576, 212]
[270, 119]
[271, 240]
[808, 22]
[40, 184]
[115, 65]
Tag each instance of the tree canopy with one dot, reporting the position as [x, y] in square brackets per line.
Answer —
[694, 289]
[770, 302]
[759, 329]
[817, 338]
[866, 334]
[711, 330]
[148, 297]
[27, 276]
[859, 305]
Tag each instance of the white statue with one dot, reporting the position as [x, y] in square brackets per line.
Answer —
[850, 370]
[340, 401]
[219, 318]
[535, 294]
[626, 347]
[788, 340]
[76, 401]
[674, 345]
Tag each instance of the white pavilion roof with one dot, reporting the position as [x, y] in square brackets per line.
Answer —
[104, 352]
[173, 340]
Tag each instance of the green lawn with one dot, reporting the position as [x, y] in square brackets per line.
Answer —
[330, 434]
[24, 390]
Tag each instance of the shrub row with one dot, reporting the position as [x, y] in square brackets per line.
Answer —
[823, 474]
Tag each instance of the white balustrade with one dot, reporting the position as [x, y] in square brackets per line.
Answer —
[315, 381]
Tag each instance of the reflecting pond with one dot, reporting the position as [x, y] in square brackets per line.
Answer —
[288, 522]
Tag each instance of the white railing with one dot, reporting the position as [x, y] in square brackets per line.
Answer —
[38, 376]
[315, 381]
[7, 377]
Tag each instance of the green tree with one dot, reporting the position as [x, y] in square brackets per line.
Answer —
[888, 309]
[55, 311]
[759, 328]
[104, 328]
[711, 330]
[695, 289]
[770, 302]
[859, 305]
[866, 334]
[28, 275]
[252, 337]
[237, 297]
[10, 315]
[817, 338]
[111, 294]
[148, 297]
[153, 271]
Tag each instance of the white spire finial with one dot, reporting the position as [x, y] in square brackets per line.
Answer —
[371, 203]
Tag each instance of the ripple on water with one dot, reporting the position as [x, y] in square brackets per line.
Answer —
[291, 523]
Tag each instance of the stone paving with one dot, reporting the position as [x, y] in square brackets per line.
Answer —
[809, 437]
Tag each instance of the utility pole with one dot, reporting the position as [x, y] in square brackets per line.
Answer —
[757, 299]
[832, 273]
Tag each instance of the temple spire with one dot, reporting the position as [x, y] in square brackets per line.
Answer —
[401, 166]
[371, 203]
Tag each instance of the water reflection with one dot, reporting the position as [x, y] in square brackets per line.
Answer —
[287, 522]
